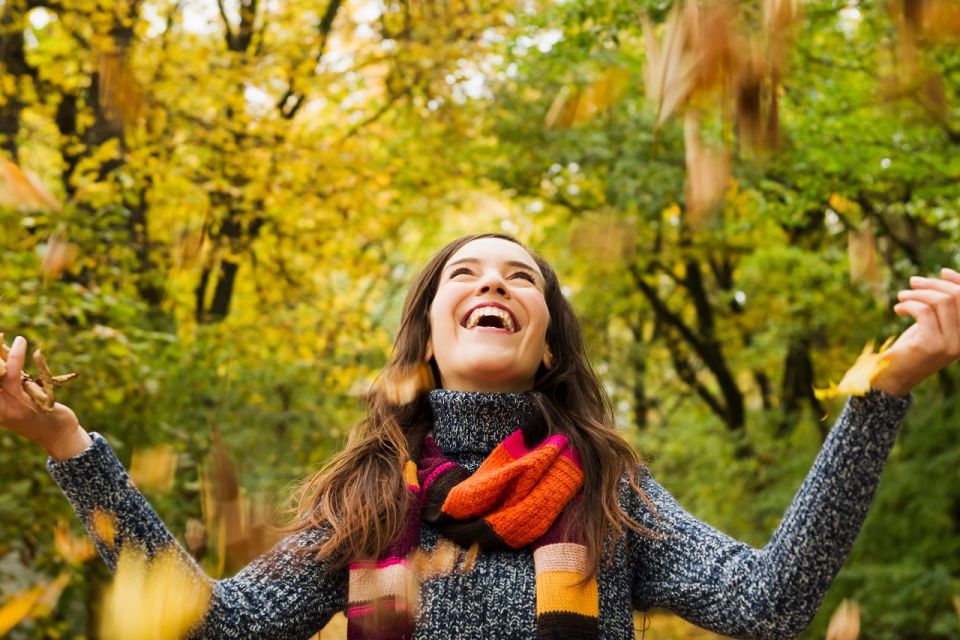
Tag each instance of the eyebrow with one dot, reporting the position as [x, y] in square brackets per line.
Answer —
[510, 263]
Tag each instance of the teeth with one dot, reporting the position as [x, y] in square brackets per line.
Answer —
[477, 314]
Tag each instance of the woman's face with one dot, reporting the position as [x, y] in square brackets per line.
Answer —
[488, 321]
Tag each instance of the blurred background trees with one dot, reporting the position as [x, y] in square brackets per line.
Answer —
[212, 210]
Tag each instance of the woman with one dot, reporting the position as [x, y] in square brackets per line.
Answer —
[514, 457]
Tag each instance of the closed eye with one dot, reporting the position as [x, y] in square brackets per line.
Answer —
[459, 271]
[526, 276]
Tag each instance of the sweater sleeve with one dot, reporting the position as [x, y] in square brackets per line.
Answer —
[284, 594]
[731, 588]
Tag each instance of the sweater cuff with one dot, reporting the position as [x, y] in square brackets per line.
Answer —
[877, 412]
[91, 476]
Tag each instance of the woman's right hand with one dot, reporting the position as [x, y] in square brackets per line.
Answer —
[58, 431]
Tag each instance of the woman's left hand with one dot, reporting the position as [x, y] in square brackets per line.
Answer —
[929, 344]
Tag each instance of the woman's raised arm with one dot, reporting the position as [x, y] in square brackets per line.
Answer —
[284, 594]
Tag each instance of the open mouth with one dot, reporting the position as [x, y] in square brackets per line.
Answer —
[490, 316]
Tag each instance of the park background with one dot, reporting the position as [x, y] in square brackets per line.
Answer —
[212, 210]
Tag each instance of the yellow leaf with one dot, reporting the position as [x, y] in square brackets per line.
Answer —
[845, 622]
[18, 607]
[857, 380]
[154, 469]
[159, 599]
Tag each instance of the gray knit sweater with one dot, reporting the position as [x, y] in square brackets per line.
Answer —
[694, 570]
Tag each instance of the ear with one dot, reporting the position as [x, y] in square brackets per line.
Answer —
[547, 358]
[429, 354]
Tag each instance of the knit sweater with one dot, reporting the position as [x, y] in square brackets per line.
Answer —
[693, 569]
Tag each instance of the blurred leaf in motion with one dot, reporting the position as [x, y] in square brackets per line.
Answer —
[159, 598]
[856, 381]
[73, 549]
[154, 469]
[845, 622]
[21, 190]
[58, 256]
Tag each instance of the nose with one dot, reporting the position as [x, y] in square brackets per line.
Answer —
[492, 281]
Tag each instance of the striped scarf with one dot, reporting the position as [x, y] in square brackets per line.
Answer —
[515, 500]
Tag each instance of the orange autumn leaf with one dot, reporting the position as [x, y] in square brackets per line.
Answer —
[857, 380]
[21, 190]
[105, 527]
[73, 549]
[845, 622]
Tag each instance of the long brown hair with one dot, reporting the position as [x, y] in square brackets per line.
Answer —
[360, 497]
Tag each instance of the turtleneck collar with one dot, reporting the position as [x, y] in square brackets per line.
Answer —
[476, 422]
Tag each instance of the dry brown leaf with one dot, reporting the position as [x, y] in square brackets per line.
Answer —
[195, 536]
[708, 172]
[161, 598]
[864, 261]
[845, 622]
[21, 190]
[670, 68]
[716, 45]
[121, 96]
[154, 469]
[858, 379]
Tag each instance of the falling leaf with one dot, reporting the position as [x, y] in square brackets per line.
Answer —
[708, 172]
[58, 256]
[120, 95]
[18, 607]
[161, 598]
[857, 380]
[402, 385]
[73, 549]
[845, 622]
[195, 536]
[604, 237]
[669, 72]
[154, 469]
[571, 106]
[21, 190]
[864, 262]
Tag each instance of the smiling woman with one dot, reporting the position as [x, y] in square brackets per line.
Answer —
[503, 503]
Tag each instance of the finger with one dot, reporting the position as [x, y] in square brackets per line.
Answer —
[936, 284]
[18, 352]
[949, 274]
[922, 313]
[940, 304]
